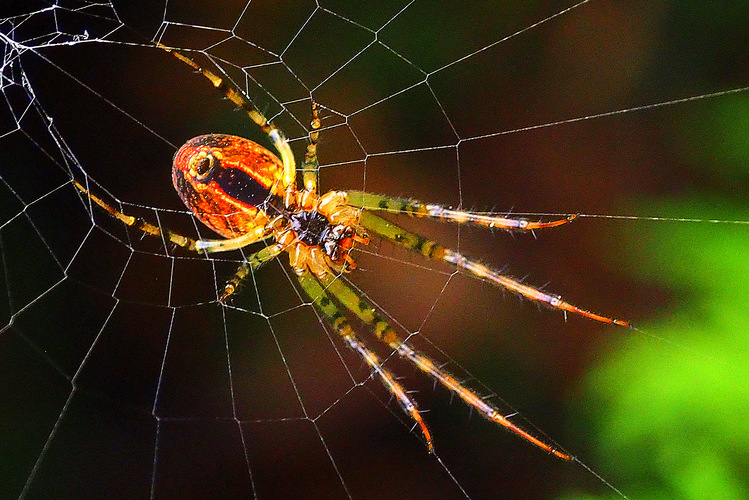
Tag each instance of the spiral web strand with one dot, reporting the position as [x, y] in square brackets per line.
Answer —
[123, 374]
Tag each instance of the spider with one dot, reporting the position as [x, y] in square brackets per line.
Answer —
[247, 194]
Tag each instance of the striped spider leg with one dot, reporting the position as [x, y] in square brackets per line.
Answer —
[251, 262]
[313, 286]
[434, 250]
[357, 304]
[247, 194]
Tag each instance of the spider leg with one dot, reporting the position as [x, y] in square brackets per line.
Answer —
[311, 164]
[370, 201]
[251, 264]
[237, 97]
[139, 223]
[361, 307]
[320, 298]
[434, 250]
[257, 234]
[183, 241]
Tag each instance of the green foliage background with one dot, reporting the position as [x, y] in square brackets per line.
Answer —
[669, 412]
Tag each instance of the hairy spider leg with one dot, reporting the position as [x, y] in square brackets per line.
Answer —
[436, 251]
[140, 224]
[361, 307]
[199, 246]
[312, 287]
[311, 163]
[251, 264]
[369, 201]
[236, 96]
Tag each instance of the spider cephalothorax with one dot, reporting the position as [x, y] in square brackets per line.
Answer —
[314, 229]
[247, 194]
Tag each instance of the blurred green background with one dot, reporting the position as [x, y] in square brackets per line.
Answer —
[668, 411]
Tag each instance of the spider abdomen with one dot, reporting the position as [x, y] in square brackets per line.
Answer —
[227, 181]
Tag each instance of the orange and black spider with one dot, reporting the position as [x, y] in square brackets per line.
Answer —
[248, 194]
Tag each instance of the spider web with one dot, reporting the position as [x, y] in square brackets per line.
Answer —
[123, 376]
